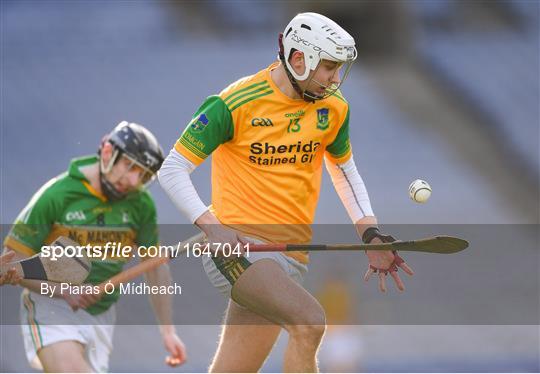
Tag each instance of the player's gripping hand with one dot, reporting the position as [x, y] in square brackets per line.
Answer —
[11, 276]
[384, 262]
[81, 301]
[174, 345]
[220, 234]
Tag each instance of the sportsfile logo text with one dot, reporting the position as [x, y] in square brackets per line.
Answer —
[115, 250]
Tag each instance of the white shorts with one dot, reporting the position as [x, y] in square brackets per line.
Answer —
[223, 273]
[40, 322]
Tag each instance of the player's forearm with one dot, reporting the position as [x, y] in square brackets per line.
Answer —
[208, 223]
[161, 304]
[207, 218]
[32, 284]
[175, 180]
[350, 188]
[364, 223]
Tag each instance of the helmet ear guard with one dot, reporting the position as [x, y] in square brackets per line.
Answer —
[285, 63]
[307, 67]
[281, 52]
[114, 157]
[285, 59]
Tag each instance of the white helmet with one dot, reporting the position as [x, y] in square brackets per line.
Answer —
[317, 37]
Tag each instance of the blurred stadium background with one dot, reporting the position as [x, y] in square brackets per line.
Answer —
[446, 91]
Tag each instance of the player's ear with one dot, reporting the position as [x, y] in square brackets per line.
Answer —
[297, 62]
[106, 152]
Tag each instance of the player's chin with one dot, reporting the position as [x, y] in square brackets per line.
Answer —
[321, 92]
[123, 189]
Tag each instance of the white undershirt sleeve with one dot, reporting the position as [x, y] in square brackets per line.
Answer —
[175, 180]
[350, 188]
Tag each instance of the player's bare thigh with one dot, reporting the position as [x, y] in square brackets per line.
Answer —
[64, 356]
[265, 299]
[246, 341]
[265, 288]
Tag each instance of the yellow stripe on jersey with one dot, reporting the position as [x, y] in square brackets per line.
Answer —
[188, 154]
[244, 90]
[247, 94]
[340, 159]
[19, 247]
[339, 96]
[192, 148]
[93, 191]
[250, 98]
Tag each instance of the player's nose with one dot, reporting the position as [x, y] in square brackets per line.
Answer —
[336, 79]
[134, 178]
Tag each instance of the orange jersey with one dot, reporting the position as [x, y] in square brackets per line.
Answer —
[268, 154]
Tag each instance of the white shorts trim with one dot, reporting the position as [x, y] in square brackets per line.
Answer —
[40, 324]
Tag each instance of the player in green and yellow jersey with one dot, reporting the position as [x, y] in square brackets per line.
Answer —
[100, 199]
[269, 135]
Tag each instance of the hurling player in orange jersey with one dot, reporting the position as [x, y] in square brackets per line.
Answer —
[269, 135]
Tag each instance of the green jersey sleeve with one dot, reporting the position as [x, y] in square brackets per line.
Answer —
[34, 223]
[341, 146]
[211, 126]
[147, 232]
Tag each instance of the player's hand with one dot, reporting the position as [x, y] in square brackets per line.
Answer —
[176, 348]
[220, 234]
[83, 301]
[384, 262]
[11, 276]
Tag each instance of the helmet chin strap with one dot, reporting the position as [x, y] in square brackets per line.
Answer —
[107, 187]
[307, 96]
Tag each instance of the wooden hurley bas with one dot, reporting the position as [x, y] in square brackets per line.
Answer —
[60, 269]
[437, 244]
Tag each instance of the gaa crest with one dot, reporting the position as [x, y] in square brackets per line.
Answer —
[322, 118]
[198, 124]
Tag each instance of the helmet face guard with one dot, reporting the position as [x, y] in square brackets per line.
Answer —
[342, 69]
[135, 149]
[129, 165]
[146, 176]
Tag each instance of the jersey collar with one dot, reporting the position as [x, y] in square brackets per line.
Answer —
[75, 172]
[76, 164]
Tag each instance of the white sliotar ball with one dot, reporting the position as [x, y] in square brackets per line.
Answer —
[419, 191]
